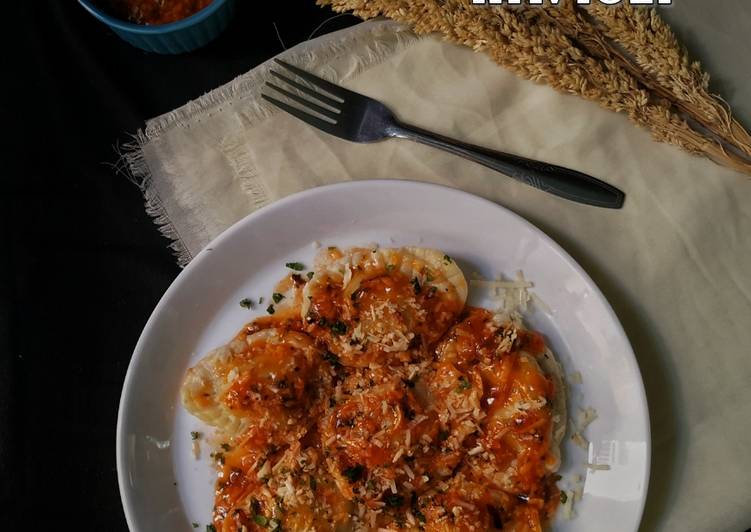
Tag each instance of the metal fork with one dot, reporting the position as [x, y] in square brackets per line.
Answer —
[354, 117]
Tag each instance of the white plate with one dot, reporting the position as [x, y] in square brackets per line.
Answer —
[166, 489]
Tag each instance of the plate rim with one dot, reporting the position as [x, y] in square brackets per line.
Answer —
[138, 350]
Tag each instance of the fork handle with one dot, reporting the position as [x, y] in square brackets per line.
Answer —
[563, 182]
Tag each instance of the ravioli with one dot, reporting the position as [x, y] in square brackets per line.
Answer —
[382, 305]
[522, 411]
[264, 379]
[371, 398]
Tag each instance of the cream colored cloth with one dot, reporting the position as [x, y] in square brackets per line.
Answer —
[674, 262]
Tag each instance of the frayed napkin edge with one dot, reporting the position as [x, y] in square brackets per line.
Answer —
[245, 90]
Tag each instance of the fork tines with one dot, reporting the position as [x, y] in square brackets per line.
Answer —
[320, 108]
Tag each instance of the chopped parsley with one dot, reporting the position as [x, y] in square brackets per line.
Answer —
[464, 384]
[429, 277]
[332, 359]
[270, 309]
[393, 501]
[195, 525]
[338, 327]
[447, 259]
[210, 528]
[310, 275]
[354, 473]
[297, 266]
[260, 300]
[409, 383]
[246, 303]
[195, 435]
[564, 497]
[219, 457]
[390, 267]
[277, 297]
[416, 285]
[415, 509]
[225, 446]
[261, 520]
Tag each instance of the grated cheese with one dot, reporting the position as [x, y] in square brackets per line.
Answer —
[476, 450]
[160, 444]
[265, 470]
[580, 440]
[585, 417]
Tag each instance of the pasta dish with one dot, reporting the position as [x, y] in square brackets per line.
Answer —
[371, 397]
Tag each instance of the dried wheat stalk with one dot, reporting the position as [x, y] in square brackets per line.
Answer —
[543, 52]
[656, 61]
[654, 46]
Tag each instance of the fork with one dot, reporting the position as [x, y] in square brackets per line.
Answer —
[357, 118]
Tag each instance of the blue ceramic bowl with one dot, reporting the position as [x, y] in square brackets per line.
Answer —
[173, 38]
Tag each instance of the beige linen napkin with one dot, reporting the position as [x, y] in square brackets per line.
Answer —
[674, 262]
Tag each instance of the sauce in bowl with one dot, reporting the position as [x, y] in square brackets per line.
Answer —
[153, 12]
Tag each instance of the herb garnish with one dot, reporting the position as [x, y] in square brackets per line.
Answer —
[393, 501]
[338, 327]
[416, 285]
[390, 267]
[246, 303]
[210, 528]
[332, 359]
[448, 259]
[195, 525]
[225, 446]
[564, 497]
[195, 435]
[464, 384]
[297, 266]
[354, 473]
[415, 509]
[270, 309]
[277, 297]
[310, 275]
[261, 520]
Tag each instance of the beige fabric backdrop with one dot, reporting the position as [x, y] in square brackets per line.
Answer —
[674, 262]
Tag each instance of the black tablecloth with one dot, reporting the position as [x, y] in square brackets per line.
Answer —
[83, 265]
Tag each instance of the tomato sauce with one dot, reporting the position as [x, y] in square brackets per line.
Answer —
[153, 12]
[454, 436]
